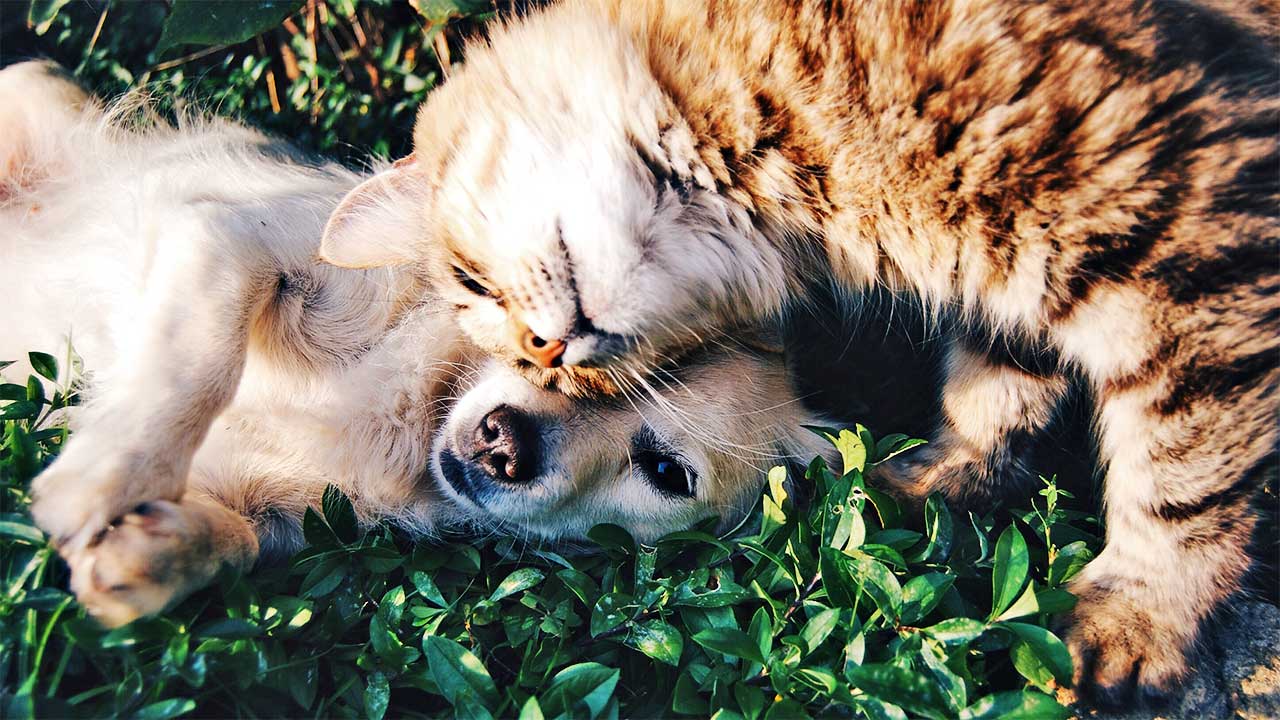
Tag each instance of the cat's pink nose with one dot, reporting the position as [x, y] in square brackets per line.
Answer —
[546, 353]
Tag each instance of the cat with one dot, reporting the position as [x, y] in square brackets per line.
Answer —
[231, 378]
[618, 182]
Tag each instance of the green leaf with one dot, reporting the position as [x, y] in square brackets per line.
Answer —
[952, 686]
[40, 16]
[531, 710]
[460, 676]
[14, 526]
[339, 514]
[580, 584]
[377, 694]
[786, 709]
[922, 594]
[724, 594]
[878, 582]
[1047, 649]
[44, 364]
[853, 452]
[1025, 605]
[612, 537]
[956, 631]
[610, 611]
[884, 452]
[657, 639]
[837, 577]
[730, 641]
[1068, 562]
[21, 410]
[427, 589]
[1053, 601]
[908, 690]
[938, 528]
[819, 627]
[589, 683]
[1024, 705]
[1009, 572]
[204, 23]
[520, 580]
[229, 629]
[774, 516]
[685, 699]
[165, 709]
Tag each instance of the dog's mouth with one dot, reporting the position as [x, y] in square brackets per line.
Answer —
[462, 478]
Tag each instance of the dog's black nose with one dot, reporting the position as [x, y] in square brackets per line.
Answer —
[505, 445]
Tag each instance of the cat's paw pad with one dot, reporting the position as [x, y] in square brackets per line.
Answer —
[1123, 651]
[140, 564]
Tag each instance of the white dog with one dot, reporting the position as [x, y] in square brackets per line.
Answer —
[232, 376]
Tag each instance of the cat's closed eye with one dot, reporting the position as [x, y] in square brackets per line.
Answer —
[471, 284]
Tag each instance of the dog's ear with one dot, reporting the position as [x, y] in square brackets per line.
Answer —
[39, 104]
[380, 222]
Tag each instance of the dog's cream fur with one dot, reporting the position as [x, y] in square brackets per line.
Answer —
[231, 376]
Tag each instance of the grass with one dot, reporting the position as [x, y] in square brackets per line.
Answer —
[849, 606]
[846, 607]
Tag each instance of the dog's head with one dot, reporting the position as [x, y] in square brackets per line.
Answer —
[693, 443]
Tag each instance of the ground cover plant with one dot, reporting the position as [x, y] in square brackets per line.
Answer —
[842, 606]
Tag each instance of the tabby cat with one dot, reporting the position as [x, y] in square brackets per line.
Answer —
[624, 180]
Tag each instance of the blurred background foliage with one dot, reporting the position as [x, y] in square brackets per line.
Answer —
[342, 77]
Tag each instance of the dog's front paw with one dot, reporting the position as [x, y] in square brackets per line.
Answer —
[1124, 649]
[88, 486]
[143, 562]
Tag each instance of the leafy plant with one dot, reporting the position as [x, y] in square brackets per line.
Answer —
[340, 76]
[846, 606]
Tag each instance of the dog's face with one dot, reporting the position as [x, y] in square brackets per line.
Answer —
[541, 465]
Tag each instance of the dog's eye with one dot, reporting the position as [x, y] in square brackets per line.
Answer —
[666, 473]
[470, 283]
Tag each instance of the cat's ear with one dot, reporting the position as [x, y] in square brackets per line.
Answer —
[379, 222]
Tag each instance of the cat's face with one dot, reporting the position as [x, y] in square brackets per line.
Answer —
[537, 464]
[579, 236]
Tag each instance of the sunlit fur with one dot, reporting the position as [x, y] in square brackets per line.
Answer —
[231, 377]
[1096, 180]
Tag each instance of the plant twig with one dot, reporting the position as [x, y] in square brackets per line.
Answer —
[168, 64]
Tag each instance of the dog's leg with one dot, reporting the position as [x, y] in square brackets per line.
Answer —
[178, 365]
[154, 556]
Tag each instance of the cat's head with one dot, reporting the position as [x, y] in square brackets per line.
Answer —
[573, 222]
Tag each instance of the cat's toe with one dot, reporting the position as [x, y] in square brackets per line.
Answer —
[1122, 652]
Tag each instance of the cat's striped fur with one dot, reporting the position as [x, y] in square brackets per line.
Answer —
[1098, 180]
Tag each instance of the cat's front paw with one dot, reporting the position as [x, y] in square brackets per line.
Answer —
[143, 562]
[1122, 648]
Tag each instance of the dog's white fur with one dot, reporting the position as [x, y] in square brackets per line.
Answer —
[232, 376]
